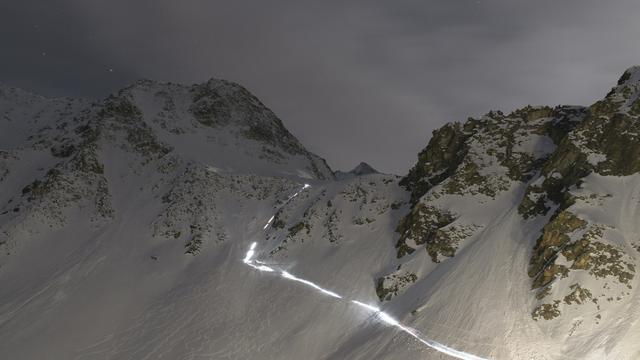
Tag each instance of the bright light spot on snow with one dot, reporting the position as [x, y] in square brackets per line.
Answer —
[269, 222]
[389, 320]
[366, 306]
[381, 315]
[250, 253]
[286, 275]
[261, 267]
[299, 191]
[447, 350]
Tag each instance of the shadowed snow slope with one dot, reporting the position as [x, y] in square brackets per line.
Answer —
[173, 222]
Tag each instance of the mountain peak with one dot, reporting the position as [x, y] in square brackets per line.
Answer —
[630, 76]
[623, 98]
[363, 169]
[213, 86]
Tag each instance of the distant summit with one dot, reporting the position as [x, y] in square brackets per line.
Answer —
[361, 169]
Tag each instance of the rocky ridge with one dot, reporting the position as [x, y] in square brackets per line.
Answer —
[561, 158]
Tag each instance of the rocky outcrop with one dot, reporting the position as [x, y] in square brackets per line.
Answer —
[552, 155]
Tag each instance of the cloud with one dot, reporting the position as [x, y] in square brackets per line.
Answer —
[356, 80]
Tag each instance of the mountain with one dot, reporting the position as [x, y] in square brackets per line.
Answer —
[361, 169]
[182, 222]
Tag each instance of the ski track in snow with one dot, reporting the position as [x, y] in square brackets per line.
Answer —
[377, 312]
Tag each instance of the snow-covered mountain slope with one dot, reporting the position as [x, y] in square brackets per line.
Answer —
[185, 222]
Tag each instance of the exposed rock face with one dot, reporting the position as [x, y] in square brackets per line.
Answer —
[483, 157]
[437, 161]
[605, 143]
[561, 159]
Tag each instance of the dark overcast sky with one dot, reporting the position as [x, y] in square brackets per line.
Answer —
[353, 80]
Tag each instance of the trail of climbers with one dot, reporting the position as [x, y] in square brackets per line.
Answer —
[377, 312]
